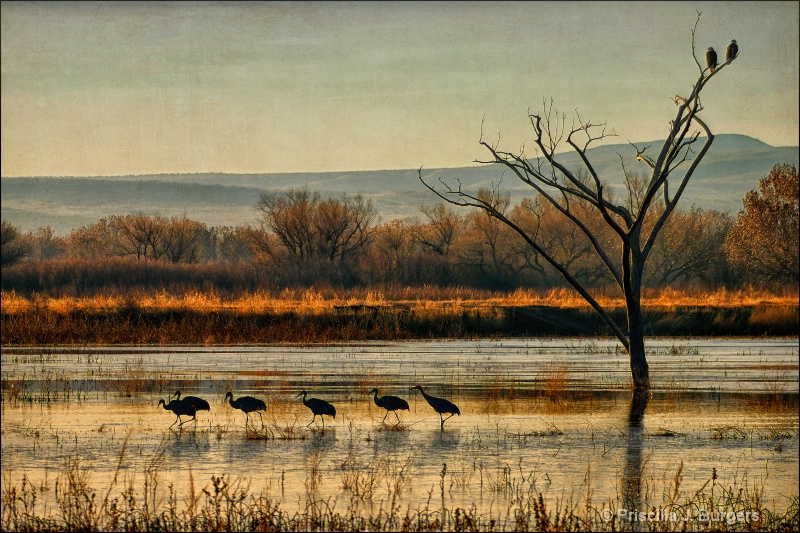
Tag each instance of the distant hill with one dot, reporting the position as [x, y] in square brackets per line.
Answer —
[733, 167]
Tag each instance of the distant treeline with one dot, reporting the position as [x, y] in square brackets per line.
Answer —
[301, 239]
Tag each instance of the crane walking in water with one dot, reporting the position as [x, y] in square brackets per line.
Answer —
[198, 403]
[248, 404]
[179, 408]
[440, 405]
[318, 407]
[391, 403]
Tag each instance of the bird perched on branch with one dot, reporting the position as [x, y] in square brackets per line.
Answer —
[391, 403]
[711, 59]
[440, 405]
[198, 403]
[318, 407]
[248, 404]
[179, 408]
[732, 51]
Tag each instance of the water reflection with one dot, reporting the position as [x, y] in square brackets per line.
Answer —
[632, 475]
[391, 438]
[438, 441]
[186, 445]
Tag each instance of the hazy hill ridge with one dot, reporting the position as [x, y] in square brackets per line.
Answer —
[733, 166]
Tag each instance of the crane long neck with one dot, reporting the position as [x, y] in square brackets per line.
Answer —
[230, 400]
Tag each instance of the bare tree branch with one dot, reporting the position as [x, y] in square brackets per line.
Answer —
[580, 196]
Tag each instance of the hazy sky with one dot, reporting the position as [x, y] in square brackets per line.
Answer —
[95, 88]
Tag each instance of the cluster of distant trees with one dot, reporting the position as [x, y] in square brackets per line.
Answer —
[301, 239]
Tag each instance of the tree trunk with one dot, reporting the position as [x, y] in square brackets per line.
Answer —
[633, 269]
[640, 371]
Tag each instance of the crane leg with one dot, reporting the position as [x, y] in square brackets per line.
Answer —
[312, 421]
[176, 420]
[446, 419]
[384, 417]
[398, 416]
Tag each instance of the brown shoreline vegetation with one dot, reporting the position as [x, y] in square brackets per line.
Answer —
[318, 316]
[230, 504]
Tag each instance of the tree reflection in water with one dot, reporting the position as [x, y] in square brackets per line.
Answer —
[632, 476]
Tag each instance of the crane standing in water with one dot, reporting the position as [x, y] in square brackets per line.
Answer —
[248, 404]
[198, 403]
[179, 408]
[391, 403]
[318, 407]
[440, 405]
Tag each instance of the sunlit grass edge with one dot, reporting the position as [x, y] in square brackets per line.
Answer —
[313, 301]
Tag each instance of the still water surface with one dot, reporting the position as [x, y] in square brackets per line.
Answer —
[551, 416]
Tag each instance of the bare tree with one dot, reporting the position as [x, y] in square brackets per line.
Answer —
[491, 250]
[94, 240]
[12, 249]
[568, 245]
[440, 231]
[184, 240]
[310, 228]
[564, 189]
[526, 215]
[290, 217]
[393, 245]
[691, 246]
[44, 244]
[231, 243]
[344, 226]
[140, 235]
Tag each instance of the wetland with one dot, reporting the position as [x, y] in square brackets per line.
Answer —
[549, 435]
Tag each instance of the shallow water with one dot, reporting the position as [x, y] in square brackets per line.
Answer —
[550, 416]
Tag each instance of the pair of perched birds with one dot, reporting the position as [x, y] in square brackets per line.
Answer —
[189, 405]
[730, 54]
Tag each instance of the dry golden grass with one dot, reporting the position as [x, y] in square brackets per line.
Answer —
[424, 299]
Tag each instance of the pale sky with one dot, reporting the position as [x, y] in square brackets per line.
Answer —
[96, 88]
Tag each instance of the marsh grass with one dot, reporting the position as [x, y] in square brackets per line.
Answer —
[310, 315]
[271, 427]
[396, 426]
[551, 431]
[664, 432]
[137, 503]
[730, 431]
[777, 432]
